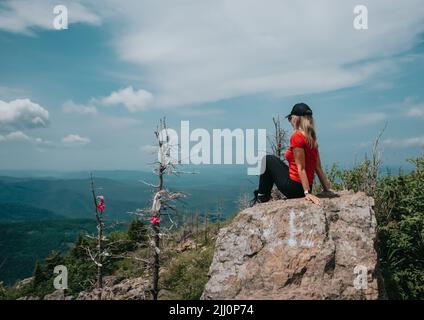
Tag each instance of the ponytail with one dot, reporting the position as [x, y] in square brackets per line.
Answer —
[306, 124]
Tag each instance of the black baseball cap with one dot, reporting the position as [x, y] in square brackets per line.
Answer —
[300, 109]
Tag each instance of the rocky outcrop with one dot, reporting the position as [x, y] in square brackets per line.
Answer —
[24, 283]
[127, 289]
[186, 246]
[113, 289]
[294, 249]
[57, 295]
[28, 298]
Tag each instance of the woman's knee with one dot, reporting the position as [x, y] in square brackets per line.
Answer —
[270, 158]
[266, 162]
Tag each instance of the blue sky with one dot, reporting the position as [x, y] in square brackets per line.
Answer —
[89, 97]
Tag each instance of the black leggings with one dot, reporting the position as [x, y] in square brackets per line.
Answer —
[277, 172]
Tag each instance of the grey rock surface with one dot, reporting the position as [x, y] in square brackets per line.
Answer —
[294, 249]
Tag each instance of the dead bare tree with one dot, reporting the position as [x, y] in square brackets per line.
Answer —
[364, 176]
[163, 199]
[219, 209]
[97, 258]
[206, 226]
[372, 174]
[192, 224]
[103, 246]
[376, 156]
[278, 141]
[197, 227]
[243, 201]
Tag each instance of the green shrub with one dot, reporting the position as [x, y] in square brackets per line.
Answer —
[400, 216]
[3, 292]
[187, 274]
[399, 209]
[137, 232]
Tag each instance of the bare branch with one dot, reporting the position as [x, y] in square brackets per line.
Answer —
[92, 257]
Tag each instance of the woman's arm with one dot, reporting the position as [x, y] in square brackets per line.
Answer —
[299, 158]
[321, 175]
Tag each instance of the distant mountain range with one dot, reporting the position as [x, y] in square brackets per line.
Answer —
[23, 212]
[41, 211]
[68, 194]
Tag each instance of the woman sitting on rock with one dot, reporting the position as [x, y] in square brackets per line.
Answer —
[296, 179]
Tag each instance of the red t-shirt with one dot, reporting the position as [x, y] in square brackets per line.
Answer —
[298, 140]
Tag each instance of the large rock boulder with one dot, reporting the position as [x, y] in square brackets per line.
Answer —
[294, 249]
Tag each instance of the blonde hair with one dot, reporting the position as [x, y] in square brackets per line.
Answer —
[306, 124]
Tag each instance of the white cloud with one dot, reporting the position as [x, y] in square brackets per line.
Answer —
[416, 111]
[133, 100]
[15, 136]
[204, 51]
[70, 140]
[191, 51]
[24, 16]
[404, 143]
[72, 107]
[20, 136]
[75, 140]
[22, 114]
[363, 119]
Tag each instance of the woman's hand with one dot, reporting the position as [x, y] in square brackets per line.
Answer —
[312, 198]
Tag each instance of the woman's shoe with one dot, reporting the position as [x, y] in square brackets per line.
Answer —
[258, 198]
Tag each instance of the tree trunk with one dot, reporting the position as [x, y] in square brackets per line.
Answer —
[99, 242]
[156, 265]
[197, 228]
[156, 253]
[100, 265]
[206, 227]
